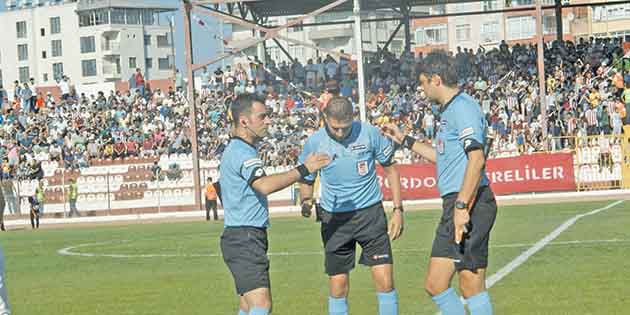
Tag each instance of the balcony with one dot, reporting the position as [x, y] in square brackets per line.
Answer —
[111, 72]
[110, 48]
[330, 32]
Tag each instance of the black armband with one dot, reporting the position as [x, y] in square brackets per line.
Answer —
[303, 171]
[408, 142]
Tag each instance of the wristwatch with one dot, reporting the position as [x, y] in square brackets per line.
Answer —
[460, 205]
[399, 208]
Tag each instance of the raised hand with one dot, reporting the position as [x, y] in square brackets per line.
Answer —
[315, 161]
[392, 131]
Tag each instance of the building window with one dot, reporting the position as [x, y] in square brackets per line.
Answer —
[22, 52]
[101, 16]
[57, 71]
[42, 32]
[432, 35]
[162, 41]
[297, 28]
[132, 62]
[43, 54]
[45, 77]
[520, 27]
[148, 17]
[88, 67]
[462, 32]
[147, 40]
[56, 48]
[490, 32]
[133, 16]
[489, 5]
[517, 3]
[21, 29]
[148, 63]
[164, 63]
[86, 19]
[55, 25]
[118, 16]
[24, 74]
[88, 45]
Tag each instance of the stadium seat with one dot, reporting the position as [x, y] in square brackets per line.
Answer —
[101, 197]
[148, 194]
[167, 193]
[177, 192]
[131, 169]
[91, 197]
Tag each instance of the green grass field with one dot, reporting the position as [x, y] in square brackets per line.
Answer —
[179, 273]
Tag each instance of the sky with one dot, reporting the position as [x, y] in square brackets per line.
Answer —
[205, 46]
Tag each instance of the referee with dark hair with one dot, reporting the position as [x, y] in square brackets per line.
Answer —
[351, 209]
[243, 189]
[469, 206]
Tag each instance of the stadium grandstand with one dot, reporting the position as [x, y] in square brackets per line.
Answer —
[113, 142]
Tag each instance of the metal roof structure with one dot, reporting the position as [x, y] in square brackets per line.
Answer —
[272, 8]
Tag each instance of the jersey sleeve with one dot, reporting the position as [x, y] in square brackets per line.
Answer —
[471, 127]
[306, 151]
[382, 147]
[251, 168]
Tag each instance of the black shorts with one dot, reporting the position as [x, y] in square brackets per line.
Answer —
[211, 205]
[245, 253]
[342, 231]
[472, 253]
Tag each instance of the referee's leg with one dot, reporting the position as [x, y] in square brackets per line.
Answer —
[4, 302]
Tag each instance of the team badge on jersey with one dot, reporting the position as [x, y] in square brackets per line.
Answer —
[362, 168]
[440, 146]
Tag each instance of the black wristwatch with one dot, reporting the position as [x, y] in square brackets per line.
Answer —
[399, 208]
[460, 205]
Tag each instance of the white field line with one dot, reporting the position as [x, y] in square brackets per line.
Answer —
[71, 250]
[522, 258]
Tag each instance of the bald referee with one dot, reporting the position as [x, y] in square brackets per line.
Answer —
[469, 206]
[351, 204]
[244, 187]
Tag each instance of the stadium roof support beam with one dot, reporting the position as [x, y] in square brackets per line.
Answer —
[541, 70]
[186, 10]
[405, 9]
[559, 26]
[389, 40]
[269, 32]
[284, 50]
[358, 39]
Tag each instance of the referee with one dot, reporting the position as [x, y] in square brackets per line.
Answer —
[469, 206]
[351, 209]
[244, 187]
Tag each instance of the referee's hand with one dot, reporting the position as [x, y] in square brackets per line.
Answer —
[396, 226]
[461, 217]
[307, 208]
[392, 131]
[315, 161]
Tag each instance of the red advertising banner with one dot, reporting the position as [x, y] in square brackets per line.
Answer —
[528, 173]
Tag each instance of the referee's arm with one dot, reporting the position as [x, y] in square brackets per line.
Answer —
[268, 184]
[476, 161]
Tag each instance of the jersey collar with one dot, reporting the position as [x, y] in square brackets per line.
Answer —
[356, 128]
[443, 108]
[243, 140]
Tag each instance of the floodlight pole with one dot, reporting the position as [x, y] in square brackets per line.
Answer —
[186, 10]
[541, 71]
[358, 39]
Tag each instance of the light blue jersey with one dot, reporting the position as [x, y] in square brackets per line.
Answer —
[349, 182]
[462, 127]
[240, 167]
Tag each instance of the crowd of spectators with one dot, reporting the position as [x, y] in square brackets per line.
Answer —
[587, 87]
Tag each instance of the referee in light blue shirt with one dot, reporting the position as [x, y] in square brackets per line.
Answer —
[469, 206]
[351, 209]
[243, 189]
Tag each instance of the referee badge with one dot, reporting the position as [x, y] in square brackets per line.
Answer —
[440, 146]
[362, 168]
